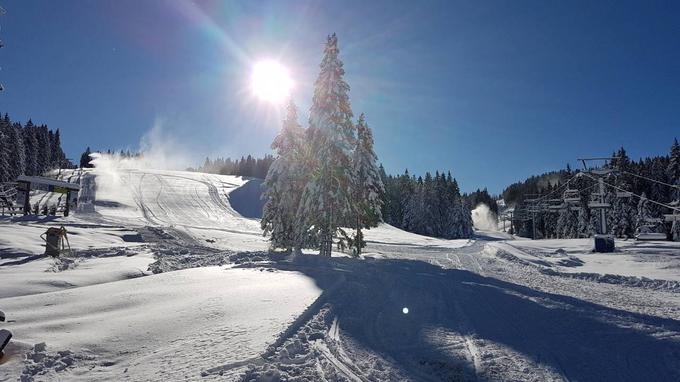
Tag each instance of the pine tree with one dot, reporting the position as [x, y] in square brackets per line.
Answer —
[583, 223]
[85, 158]
[673, 171]
[43, 149]
[283, 185]
[367, 185]
[31, 149]
[623, 212]
[644, 221]
[17, 157]
[5, 149]
[326, 200]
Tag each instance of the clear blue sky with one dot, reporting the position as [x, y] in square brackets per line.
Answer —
[495, 91]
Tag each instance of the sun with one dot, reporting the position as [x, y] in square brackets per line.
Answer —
[271, 81]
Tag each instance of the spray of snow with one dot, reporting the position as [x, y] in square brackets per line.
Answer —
[483, 218]
[159, 151]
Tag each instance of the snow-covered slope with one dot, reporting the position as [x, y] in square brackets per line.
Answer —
[414, 308]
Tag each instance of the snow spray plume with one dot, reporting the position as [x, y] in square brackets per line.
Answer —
[483, 218]
[157, 151]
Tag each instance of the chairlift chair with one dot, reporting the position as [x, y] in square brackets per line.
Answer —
[624, 194]
[599, 205]
[601, 171]
[671, 217]
[571, 196]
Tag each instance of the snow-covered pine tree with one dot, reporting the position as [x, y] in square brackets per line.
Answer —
[5, 148]
[644, 220]
[43, 149]
[622, 212]
[326, 200]
[85, 158]
[673, 172]
[594, 223]
[414, 217]
[367, 183]
[284, 183]
[583, 223]
[17, 158]
[30, 148]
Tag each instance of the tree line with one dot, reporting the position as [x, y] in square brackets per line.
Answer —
[28, 149]
[431, 206]
[248, 166]
[633, 190]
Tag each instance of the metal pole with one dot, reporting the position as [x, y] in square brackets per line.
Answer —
[603, 220]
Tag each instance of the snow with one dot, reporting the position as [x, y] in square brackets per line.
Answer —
[167, 326]
[659, 260]
[495, 307]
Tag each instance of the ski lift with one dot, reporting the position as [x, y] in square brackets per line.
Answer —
[571, 196]
[624, 194]
[671, 217]
[650, 231]
[601, 171]
[556, 204]
[599, 205]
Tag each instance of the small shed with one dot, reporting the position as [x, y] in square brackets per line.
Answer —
[25, 184]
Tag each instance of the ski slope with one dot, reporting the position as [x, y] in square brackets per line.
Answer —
[492, 308]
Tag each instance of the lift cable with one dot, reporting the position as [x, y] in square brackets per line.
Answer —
[676, 209]
[652, 180]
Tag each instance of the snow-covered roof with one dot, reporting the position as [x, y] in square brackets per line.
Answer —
[48, 181]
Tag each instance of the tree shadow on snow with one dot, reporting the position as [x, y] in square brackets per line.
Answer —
[579, 339]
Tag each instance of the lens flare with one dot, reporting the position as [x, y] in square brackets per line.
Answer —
[271, 81]
[405, 310]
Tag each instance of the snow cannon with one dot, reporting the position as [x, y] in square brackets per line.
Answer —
[56, 241]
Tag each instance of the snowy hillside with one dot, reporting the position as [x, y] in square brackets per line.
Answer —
[413, 308]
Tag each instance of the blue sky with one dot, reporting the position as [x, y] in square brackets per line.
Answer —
[494, 91]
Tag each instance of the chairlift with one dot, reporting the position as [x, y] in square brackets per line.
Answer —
[571, 196]
[650, 236]
[601, 171]
[624, 194]
[671, 217]
[599, 205]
